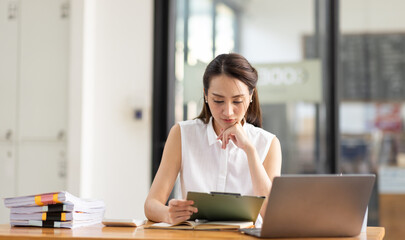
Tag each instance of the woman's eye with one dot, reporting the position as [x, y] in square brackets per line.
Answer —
[215, 101]
[237, 102]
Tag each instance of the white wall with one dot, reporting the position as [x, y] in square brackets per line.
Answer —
[113, 42]
[74, 140]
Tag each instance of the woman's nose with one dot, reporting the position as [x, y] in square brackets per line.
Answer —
[228, 109]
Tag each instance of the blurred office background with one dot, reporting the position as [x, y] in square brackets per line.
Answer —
[90, 88]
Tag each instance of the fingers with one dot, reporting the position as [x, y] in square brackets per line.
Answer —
[180, 210]
[220, 135]
[225, 136]
[232, 137]
[180, 203]
[224, 140]
[183, 209]
[180, 219]
[176, 217]
[234, 133]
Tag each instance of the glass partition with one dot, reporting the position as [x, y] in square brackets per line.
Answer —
[273, 36]
[372, 103]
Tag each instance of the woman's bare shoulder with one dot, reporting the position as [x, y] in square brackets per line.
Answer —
[175, 133]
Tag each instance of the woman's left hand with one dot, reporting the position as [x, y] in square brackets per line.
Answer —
[236, 134]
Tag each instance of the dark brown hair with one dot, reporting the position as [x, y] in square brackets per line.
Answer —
[235, 66]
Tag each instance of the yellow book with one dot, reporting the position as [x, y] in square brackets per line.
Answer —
[202, 225]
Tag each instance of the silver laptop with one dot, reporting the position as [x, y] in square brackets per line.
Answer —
[316, 206]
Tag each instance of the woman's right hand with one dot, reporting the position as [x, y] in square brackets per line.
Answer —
[180, 210]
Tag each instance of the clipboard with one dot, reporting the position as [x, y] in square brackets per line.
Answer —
[220, 206]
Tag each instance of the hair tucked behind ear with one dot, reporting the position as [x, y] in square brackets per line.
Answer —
[235, 66]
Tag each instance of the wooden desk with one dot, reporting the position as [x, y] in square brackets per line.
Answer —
[98, 231]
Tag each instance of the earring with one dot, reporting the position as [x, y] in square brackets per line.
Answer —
[206, 101]
[251, 100]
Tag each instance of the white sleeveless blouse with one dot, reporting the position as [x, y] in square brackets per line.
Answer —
[205, 167]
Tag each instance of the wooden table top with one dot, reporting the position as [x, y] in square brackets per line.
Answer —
[101, 232]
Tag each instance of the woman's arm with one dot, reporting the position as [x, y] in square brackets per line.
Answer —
[262, 174]
[155, 208]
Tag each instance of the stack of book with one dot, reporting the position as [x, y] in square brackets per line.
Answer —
[57, 210]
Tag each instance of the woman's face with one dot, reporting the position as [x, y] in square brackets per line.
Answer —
[228, 99]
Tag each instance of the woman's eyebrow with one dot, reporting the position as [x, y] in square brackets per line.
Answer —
[236, 96]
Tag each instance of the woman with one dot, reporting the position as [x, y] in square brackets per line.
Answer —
[224, 149]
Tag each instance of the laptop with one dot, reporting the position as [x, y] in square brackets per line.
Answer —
[316, 206]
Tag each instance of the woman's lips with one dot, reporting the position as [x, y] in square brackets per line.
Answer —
[228, 120]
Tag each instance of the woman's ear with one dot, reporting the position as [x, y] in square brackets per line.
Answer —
[251, 95]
